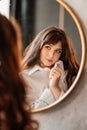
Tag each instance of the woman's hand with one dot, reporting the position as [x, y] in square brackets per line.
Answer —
[54, 77]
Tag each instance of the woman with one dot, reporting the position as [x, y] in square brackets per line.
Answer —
[13, 113]
[51, 60]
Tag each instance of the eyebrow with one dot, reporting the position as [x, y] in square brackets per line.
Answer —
[53, 45]
[59, 49]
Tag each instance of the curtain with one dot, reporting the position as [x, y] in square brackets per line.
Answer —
[24, 12]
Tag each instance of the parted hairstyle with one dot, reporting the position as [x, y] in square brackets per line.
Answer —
[52, 35]
[13, 113]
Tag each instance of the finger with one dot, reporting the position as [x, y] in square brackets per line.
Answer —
[56, 69]
[57, 75]
[56, 72]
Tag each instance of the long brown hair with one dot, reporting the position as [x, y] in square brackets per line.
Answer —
[53, 35]
[13, 113]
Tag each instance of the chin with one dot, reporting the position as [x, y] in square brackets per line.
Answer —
[49, 66]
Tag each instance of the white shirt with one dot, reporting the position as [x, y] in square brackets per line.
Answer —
[37, 80]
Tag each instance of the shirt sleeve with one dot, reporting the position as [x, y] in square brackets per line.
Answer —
[46, 99]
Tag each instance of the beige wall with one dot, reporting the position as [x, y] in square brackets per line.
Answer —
[71, 114]
[4, 7]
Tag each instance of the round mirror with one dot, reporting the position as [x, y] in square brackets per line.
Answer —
[68, 21]
[56, 13]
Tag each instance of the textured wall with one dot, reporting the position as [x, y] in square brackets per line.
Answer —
[71, 114]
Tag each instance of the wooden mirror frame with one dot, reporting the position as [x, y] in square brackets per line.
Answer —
[83, 45]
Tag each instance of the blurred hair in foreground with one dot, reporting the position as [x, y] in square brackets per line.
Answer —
[13, 113]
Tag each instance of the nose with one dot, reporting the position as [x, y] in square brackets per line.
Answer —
[51, 54]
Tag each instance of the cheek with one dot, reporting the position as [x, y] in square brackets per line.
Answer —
[43, 54]
[56, 58]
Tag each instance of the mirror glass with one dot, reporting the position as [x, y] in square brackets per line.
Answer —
[54, 14]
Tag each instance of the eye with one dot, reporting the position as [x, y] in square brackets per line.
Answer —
[47, 47]
[58, 51]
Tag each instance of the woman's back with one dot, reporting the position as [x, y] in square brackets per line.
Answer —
[13, 113]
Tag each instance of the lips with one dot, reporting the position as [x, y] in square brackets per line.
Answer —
[49, 60]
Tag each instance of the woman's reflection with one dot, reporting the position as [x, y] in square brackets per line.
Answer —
[50, 67]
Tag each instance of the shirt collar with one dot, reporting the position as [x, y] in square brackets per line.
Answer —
[36, 68]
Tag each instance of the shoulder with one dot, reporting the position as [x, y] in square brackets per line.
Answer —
[31, 70]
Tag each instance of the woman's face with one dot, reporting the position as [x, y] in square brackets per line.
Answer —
[50, 54]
